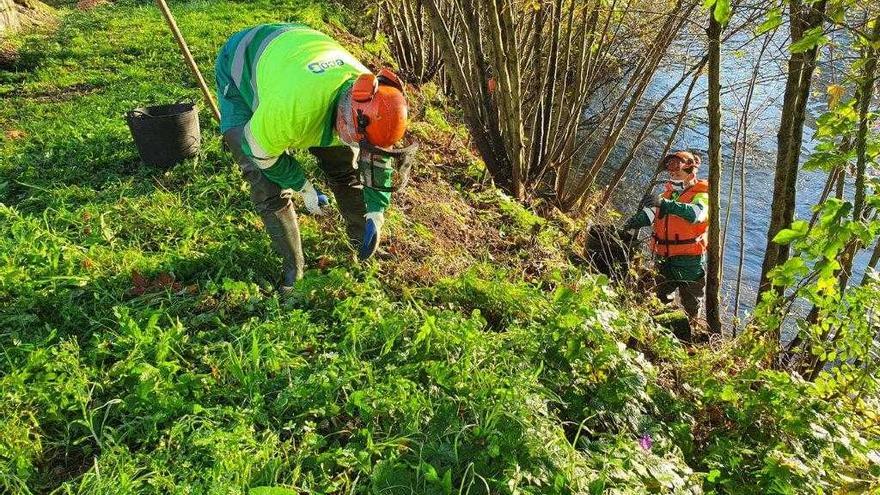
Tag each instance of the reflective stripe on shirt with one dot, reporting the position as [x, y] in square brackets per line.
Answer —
[257, 153]
[240, 58]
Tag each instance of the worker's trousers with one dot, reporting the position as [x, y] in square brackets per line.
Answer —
[337, 163]
[341, 174]
[275, 209]
[691, 292]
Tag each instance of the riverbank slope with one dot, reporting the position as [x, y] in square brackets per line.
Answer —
[145, 352]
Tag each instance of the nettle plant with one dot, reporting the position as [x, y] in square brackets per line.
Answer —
[843, 323]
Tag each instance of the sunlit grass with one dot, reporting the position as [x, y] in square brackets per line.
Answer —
[145, 351]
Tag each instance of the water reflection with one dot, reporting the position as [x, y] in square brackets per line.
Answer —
[740, 54]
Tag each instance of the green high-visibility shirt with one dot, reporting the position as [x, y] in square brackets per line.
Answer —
[291, 77]
[295, 74]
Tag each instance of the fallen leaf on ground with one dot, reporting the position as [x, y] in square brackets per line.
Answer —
[14, 134]
[90, 4]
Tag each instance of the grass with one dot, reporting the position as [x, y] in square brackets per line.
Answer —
[144, 350]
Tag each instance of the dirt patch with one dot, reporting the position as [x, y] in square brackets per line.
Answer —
[90, 4]
[8, 54]
[445, 231]
[14, 134]
[433, 240]
[57, 465]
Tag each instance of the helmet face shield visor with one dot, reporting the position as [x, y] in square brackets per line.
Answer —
[377, 164]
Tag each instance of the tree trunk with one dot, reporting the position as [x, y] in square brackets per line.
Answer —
[713, 269]
[495, 159]
[864, 96]
[872, 263]
[9, 21]
[791, 130]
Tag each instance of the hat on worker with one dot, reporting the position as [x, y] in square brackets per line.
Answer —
[378, 109]
[674, 162]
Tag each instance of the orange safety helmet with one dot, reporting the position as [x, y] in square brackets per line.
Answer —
[679, 160]
[378, 108]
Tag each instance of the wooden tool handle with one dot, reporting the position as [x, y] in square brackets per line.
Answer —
[209, 98]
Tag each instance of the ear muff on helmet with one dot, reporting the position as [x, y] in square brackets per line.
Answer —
[364, 88]
[367, 85]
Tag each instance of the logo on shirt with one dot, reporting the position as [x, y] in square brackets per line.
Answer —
[323, 65]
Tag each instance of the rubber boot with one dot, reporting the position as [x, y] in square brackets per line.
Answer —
[283, 230]
[337, 162]
[276, 211]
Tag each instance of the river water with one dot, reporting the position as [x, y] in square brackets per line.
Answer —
[739, 56]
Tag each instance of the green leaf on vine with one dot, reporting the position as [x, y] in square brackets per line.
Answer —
[722, 11]
[798, 229]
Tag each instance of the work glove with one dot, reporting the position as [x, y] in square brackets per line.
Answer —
[313, 198]
[323, 200]
[372, 233]
[651, 200]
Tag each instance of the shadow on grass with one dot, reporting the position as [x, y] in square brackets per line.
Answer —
[44, 177]
[79, 310]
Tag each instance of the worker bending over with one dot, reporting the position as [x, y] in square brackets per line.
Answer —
[285, 87]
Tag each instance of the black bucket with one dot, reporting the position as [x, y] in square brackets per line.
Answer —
[165, 134]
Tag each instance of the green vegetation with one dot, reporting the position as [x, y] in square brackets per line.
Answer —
[144, 351]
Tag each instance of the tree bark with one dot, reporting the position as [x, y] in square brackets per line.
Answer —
[9, 21]
[872, 263]
[509, 104]
[713, 269]
[495, 159]
[791, 130]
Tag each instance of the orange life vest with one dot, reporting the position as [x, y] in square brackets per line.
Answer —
[675, 236]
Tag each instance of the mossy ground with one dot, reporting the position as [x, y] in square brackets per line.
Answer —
[144, 350]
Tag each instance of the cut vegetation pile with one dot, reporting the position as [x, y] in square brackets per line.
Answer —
[144, 351]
